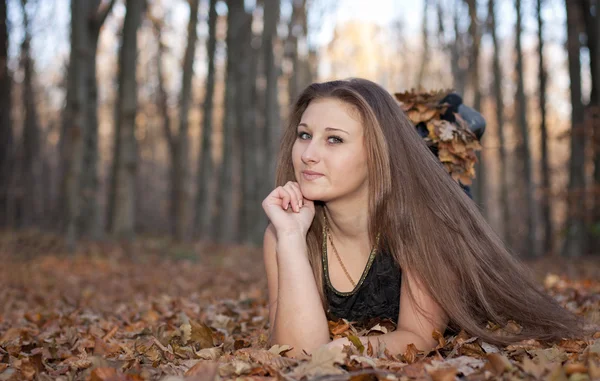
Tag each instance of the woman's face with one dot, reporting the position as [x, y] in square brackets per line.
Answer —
[329, 156]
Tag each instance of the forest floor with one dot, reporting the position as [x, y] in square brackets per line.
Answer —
[152, 310]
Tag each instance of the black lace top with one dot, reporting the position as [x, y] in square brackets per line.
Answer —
[376, 295]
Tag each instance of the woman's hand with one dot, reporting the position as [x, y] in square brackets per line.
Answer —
[288, 210]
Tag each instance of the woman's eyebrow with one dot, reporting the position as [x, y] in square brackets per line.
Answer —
[336, 129]
[326, 129]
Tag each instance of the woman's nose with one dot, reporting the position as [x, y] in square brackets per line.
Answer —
[311, 154]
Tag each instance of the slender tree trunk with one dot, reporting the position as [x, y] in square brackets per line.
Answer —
[181, 153]
[79, 136]
[31, 134]
[497, 70]
[474, 79]
[592, 123]
[271, 130]
[523, 154]
[296, 29]
[545, 196]
[247, 73]
[592, 42]
[90, 214]
[6, 134]
[457, 53]
[574, 244]
[425, 53]
[74, 122]
[596, 145]
[125, 157]
[206, 185]
[228, 201]
[163, 107]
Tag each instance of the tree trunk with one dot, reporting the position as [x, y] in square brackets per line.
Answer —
[31, 135]
[592, 122]
[74, 122]
[90, 223]
[296, 28]
[79, 135]
[592, 43]
[206, 185]
[574, 244]
[474, 79]
[457, 52]
[497, 70]
[228, 201]
[523, 155]
[246, 120]
[181, 154]
[596, 145]
[271, 132]
[125, 156]
[163, 109]
[545, 195]
[425, 53]
[6, 134]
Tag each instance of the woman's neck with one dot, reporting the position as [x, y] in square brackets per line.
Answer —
[348, 222]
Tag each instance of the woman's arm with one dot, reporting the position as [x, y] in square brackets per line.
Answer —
[413, 325]
[295, 309]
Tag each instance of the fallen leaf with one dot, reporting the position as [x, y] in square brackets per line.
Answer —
[437, 335]
[357, 343]
[499, 363]
[463, 364]
[443, 374]
[201, 335]
[323, 361]
[280, 349]
[203, 371]
[553, 354]
[410, 355]
[575, 368]
[533, 368]
[209, 353]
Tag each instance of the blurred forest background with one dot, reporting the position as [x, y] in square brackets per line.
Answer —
[129, 118]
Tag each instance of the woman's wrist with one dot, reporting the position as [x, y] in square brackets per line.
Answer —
[292, 235]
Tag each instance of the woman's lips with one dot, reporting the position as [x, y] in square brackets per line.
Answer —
[310, 175]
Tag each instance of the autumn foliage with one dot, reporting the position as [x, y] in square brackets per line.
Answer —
[153, 310]
[456, 144]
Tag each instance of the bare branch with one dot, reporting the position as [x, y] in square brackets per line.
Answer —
[102, 13]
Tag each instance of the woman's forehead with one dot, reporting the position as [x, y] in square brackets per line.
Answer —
[331, 112]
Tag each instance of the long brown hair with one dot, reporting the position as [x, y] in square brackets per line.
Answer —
[430, 225]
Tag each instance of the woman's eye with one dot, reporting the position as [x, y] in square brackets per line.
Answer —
[335, 139]
[303, 135]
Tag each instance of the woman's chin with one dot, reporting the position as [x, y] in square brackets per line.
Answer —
[311, 194]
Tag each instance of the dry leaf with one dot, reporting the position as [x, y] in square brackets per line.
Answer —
[499, 363]
[443, 374]
[410, 355]
[532, 368]
[323, 361]
[203, 371]
[553, 354]
[280, 349]
[209, 353]
[575, 368]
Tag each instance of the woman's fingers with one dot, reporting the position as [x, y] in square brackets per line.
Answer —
[286, 197]
[295, 188]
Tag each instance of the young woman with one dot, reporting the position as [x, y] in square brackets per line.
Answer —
[366, 223]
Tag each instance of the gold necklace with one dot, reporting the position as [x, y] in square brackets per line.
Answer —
[338, 256]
